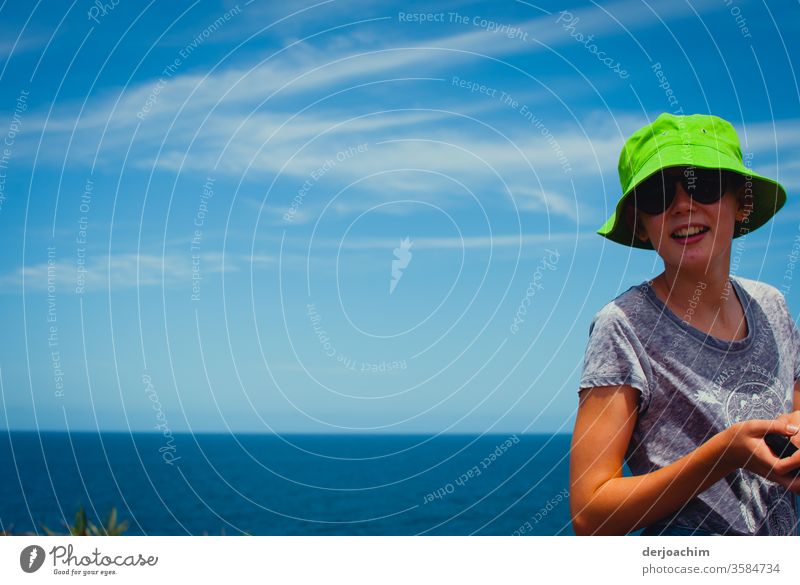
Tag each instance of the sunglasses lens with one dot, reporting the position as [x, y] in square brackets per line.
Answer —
[706, 186]
[652, 197]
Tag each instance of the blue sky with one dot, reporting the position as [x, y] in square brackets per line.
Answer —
[201, 203]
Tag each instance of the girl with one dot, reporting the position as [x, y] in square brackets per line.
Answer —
[685, 374]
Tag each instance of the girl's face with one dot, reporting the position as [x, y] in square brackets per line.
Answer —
[715, 220]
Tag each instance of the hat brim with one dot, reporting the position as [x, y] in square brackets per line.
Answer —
[768, 195]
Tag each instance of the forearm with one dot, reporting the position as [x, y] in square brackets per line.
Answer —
[623, 504]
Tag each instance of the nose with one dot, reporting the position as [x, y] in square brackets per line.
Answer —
[682, 201]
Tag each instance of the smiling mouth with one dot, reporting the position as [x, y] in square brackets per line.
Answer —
[691, 233]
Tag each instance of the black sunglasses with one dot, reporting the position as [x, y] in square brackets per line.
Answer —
[656, 194]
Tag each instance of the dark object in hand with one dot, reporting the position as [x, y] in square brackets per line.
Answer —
[782, 447]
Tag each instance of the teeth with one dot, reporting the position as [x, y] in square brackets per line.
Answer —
[689, 231]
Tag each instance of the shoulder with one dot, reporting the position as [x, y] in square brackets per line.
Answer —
[772, 302]
[764, 294]
[619, 312]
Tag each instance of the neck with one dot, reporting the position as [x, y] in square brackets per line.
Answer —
[706, 291]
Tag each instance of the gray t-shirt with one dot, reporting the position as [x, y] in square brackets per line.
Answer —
[692, 386]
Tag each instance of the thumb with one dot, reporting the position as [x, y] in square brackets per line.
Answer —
[790, 429]
[765, 427]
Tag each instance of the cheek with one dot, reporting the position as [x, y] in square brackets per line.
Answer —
[729, 207]
[726, 214]
[654, 224]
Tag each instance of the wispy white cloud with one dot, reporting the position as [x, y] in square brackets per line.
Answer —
[130, 270]
[10, 44]
[472, 242]
[116, 271]
[547, 203]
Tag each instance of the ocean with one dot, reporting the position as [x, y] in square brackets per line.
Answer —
[194, 484]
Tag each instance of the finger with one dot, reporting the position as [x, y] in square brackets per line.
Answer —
[781, 425]
[792, 424]
[787, 465]
[792, 418]
[781, 480]
[772, 465]
[788, 481]
[793, 484]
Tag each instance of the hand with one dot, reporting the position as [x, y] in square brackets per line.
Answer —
[792, 418]
[747, 450]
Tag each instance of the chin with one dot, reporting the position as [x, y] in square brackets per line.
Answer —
[689, 259]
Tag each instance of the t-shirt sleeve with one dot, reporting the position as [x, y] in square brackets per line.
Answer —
[795, 348]
[614, 355]
[794, 336]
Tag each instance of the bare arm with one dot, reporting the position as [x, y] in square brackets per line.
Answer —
[604, 502]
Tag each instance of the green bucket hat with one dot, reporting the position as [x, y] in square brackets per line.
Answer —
[697, 140]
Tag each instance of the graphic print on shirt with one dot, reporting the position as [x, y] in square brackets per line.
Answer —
[757, 395]
[779, 521]
[718, 394]
[753, 400]
[750, 503]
